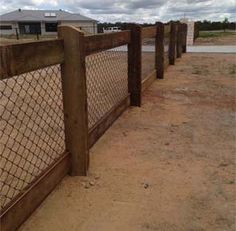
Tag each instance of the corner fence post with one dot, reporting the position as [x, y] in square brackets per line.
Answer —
[135, 64]
[172, 45]
[184, 46]
[75, 99]
[159, 50]
[17, 34]
[179, 41]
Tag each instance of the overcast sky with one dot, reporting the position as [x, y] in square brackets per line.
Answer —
[133, 10]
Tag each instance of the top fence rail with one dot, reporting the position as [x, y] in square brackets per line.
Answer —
[21, 58]
[101, 42]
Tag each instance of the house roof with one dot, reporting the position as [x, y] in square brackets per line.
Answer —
[42, 15]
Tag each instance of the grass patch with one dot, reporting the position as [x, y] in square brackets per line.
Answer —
[200, 70]
[232, 70]
[209, 34]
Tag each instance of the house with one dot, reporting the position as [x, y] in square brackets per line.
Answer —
[43, 22]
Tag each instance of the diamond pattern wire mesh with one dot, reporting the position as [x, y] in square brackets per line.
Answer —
[148, 57]
[31, 129]
[166, 48]
[107, 81]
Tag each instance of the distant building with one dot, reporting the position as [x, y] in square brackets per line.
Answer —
[43, 22]
[111, 29]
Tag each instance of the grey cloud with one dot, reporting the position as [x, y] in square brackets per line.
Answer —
[134, 10]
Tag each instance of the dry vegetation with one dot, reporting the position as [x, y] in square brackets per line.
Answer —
[7, 40]
[216, 38]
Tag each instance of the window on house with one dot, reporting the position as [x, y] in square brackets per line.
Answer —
[5, 27]
[51, 27]
[50, 14]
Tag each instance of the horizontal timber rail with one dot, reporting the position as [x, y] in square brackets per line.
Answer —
[149, 32]
[20, 208]
[167, 29]
[96, 132]
[148, 80]
[101, 42]
[17, 59]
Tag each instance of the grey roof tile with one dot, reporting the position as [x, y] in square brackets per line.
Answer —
[39, 15]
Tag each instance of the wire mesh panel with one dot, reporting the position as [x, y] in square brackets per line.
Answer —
[107, 81]
[148, 56]
[31, 130]
[166, 46]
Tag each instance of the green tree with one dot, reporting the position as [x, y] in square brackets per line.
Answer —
[225, 23]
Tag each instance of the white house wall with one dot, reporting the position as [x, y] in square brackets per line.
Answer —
[44, 32]
[9, 32]
[89, 27]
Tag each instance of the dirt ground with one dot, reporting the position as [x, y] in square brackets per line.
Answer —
[31, 104]
[225, 39]
[167, 166]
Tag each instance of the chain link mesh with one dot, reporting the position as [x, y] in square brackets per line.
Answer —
[107, 81]
[148, 57]
[32, 128]
[166, 48]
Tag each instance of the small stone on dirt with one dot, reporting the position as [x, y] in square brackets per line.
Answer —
[223, 164]
[92, 183]
[124, 134]
[145, 185]
[86, 186]
[230, 182]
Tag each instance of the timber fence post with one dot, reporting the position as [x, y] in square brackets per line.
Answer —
[159, 50]
[184, 46]
[179, 41]
[135, 65]
[172, 45]
[75, 99]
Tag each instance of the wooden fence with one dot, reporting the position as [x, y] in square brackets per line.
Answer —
[196, 31]
[70, 52]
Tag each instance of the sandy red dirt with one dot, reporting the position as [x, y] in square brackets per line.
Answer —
[167, 166]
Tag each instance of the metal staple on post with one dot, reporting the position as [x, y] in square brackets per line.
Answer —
[75, 99]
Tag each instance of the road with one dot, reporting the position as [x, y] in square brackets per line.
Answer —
[191, 49]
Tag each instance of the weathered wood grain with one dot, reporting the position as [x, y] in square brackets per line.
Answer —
[17, 59]
[172, 46]
[22, 207]
[75, 98]
[135, 65]
[100, 42]
[148, 80]
[179, 40]
[149, 32]
[159, 47]
[101, 126]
